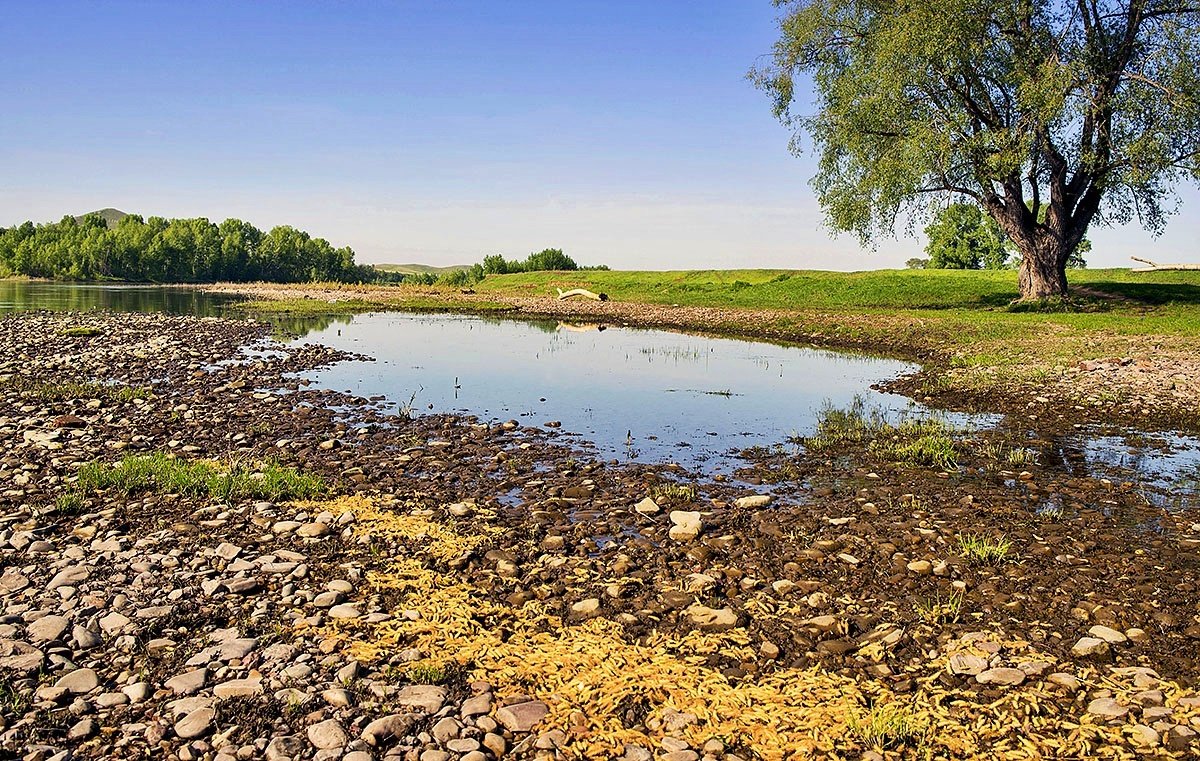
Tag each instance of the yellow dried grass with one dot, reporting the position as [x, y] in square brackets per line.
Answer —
[589, 673]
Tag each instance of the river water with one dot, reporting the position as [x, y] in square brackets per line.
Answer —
[631, 394]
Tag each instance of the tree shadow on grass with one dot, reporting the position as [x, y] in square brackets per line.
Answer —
[1150, 293]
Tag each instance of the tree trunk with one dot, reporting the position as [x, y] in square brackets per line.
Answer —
[1043, 270]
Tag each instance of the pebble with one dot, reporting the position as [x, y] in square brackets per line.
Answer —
[752, 502]
[48, 628]
[1111, 636]
[1107, 708]
[1009, 677]
[685, 525]
[79, 681]
[196, 724]
[522, 717]
[1091, 647]
[327, 734]
[422, 697]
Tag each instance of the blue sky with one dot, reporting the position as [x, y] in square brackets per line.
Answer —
[623, 132]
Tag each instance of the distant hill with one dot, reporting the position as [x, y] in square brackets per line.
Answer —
[111, 216]
[418, 269]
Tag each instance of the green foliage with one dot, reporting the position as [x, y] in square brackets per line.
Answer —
[546, 260]
[70, 502]
[426, 674]
[80, 331]
[159, 250]
[961, 237]
[674, 493]
[1091, 110]
[227, 482]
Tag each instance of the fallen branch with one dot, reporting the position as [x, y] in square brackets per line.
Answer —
[1154, 267]
[582, 293]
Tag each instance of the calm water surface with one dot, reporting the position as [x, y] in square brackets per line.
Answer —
[642, 394]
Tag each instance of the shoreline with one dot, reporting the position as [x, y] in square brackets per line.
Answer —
[605, 609]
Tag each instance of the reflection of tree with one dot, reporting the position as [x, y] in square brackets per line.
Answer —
[21, 295]
[546, 326]
[301, 326]
[16, 295]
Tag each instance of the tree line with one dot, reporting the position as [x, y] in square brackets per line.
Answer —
[539, 261]
[158, 250]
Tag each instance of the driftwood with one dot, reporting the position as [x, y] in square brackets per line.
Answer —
[582, 293]
[1154, 267]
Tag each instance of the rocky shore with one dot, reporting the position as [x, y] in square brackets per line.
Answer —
[342, 583]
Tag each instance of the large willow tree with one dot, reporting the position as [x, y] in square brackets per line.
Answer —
[1049, 115]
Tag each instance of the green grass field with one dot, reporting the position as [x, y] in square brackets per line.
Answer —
[965, 318]
[814, 289]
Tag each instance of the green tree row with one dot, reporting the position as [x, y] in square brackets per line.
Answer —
[962, 237]
[158, 250]
[548, 259]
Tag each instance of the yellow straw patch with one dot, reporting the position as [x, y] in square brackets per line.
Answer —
[591, 676]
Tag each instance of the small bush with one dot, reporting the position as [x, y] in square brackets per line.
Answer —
[939, 611]
[674, 493]
[425, 674]
[70, 502]
[50, 392]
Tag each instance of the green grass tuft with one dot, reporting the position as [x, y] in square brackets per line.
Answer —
[941, 611]
[226, 482]
[82, 332]
[984, 551]
[926, 442]
[70, 502]
[426, 674]
[889, 725]
[68, 390]
[674, 493]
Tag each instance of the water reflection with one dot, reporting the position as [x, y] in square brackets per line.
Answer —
[16, 296]
[639, 394]
[21, 295]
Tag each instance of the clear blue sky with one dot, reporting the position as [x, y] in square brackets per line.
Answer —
[623, 132]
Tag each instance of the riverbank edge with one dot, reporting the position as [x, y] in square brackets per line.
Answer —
[1146, 387]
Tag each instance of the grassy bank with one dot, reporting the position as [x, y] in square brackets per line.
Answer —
[965, 315]
[813, 289]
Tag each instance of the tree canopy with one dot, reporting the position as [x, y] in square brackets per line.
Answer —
[1046, 114]
[961, 237]
[159, 250]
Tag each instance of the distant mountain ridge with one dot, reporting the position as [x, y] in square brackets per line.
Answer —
[111, 216]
